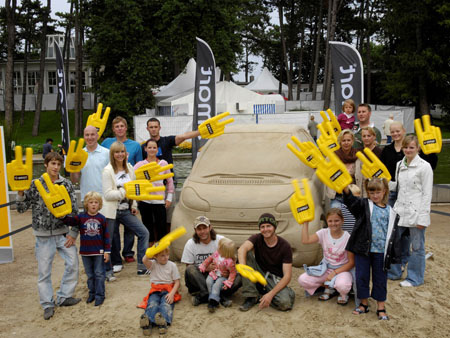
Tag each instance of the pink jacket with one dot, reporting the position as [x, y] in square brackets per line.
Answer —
[170, 188]
[226, 266]
[345, 121]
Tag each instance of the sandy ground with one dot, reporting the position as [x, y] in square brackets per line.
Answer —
[415, 312]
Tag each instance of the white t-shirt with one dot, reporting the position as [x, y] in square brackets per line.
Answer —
[121, 178]
[194, 253]
[333, 249]
[163, 274]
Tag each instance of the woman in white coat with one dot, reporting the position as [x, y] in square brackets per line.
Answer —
[118, 209]
[414, 184]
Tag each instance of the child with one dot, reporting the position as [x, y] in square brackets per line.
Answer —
[374, 242]
[334, 270]
[95, 245]
[347, 118]
[159, 304]
[224, 258]
[349, 219]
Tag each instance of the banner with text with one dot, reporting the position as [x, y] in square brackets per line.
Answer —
[6, 247]
[65, 137]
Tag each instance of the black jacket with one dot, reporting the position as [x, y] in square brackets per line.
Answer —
[361, 237]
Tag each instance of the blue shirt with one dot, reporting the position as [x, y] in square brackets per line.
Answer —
[133, 149]
[91, 174]
[380, 223]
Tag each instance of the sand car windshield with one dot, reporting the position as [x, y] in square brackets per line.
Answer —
[247, 155]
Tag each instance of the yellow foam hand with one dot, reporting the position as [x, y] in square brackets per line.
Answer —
[76, 159]
[212, 127]
[309, 154]
[57, 198]
[430, 137]
[333, 172]
[328, 138]
[302, 206]
[141, 190]
[165, 242]
[249, 273]
[333, 121]
[150, 171]
[372, 166]
[96, 120]
[19, 174]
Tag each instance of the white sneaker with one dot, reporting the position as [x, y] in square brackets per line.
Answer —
[111, 278]
[117, 268]
[405, 284]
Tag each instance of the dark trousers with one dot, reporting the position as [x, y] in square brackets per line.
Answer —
[364, 265]
[154, 217]
[95, 271]
[196, 283]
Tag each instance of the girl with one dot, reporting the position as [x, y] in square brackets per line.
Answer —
[159, 304]
[224, 260]
[414, 185]
[347, 118]
[153, 212]
[337, 262]
[118, 209]
[374, 241]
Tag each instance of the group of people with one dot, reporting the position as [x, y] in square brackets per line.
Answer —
[380, 231]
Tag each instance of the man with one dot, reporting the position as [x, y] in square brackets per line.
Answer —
[165, 143]
[52, 235]
[90, 176]
[203, 243]
[387, 128]
[364, 113]
[47, 147]
[120, 127]
[271, 255]
[312, 127]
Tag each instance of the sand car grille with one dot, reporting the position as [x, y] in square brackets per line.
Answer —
[241, 228]
[245, 181]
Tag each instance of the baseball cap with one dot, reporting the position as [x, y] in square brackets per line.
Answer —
[201, 220]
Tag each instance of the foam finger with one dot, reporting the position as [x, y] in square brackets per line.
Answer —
[80, 145]
[48, 182]
[99, 110]
[18, 151]
[29, 157]
[225, 122]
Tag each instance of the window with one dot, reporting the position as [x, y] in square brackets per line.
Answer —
[33, 79]
[52, 88]
[50, 47]
[17, 82]
[72, 78]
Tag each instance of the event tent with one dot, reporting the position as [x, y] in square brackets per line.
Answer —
[266, 83]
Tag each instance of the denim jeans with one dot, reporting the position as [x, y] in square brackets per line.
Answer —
[95, 271]
[395, 272]
[46, 247]
[214, 287]
[363, 267]
[131, 222]
[416, 261]
[108, 266]
[128, 243]
[157, 303]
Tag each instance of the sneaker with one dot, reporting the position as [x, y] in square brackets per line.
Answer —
[248, 304]
[129, 259]
[212, 305]
[405, 284]
[142, 272]
[111, 278]
[145, 325]
[226, 302]
[49, 312]
[90, 299]
[161, 322]
[162, 329]
[117, 268]
[70, 301]
[99, 302]
[197, 300]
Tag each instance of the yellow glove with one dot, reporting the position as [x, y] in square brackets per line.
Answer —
[165, 242]
[150, 171]
[333, 121]
[249, 273]
[97, 121]
[328, 138]
[141, 190]
[57, 198]
[76, 160]
[212, 127]
[20, 175]
[430, 137]
[333, 173]
[302, 206]
[309, 155]
[372, 166]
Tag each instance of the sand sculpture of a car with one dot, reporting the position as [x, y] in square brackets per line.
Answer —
[240, 175]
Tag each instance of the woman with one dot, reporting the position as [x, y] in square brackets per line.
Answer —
[118, 209]
[414, 184]
[153, 212]
[347, 154]
[369, 140]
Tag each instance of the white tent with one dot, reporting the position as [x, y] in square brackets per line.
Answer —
[266, 83]
[183, 82]
[229, 97]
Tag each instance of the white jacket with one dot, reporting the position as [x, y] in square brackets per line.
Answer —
[415, 187]
[111, 194]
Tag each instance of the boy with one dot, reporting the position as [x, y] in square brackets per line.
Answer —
[165, 282]
[52, 235]
[94, 244]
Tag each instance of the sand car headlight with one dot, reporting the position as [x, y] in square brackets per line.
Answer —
[283, 207]
[193, 201]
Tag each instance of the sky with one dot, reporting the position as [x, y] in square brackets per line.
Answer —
[63, 6]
